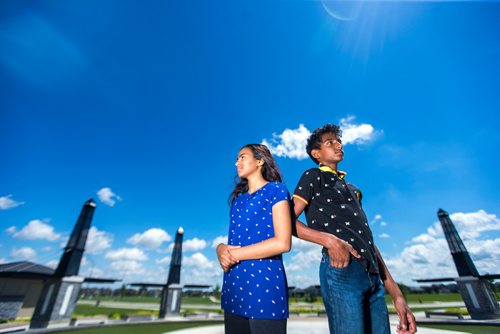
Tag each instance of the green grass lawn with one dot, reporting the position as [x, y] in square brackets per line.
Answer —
[197, 300]
[433, 297]
[139, 299]
[429, 298]
[143, 329]
[411, 298]
[421, 309]
[466, 328]
[91, 310]
[117, 313]
[131, 299]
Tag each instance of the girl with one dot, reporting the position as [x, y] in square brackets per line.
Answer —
[254, 292]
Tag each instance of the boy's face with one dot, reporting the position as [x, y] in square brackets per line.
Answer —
[330, 150]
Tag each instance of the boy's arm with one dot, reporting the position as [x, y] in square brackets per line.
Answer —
[339, 250]
[406, 318]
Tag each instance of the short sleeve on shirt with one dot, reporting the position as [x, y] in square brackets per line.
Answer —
[305, 187]
[278, 193]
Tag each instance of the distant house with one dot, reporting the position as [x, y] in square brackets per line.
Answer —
[313, 291]
[20, 287]
[21, 284]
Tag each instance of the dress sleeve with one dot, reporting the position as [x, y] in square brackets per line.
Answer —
[279, 193]
[305, 187]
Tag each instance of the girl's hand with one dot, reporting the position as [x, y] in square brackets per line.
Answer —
[226, 259]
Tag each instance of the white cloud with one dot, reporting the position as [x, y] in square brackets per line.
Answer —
[37, 229]
[428, 255]
[303, 280]
[304, 246]
[7, 203]
[88, 268]
[193, 245]
[164, 260]
[222, 239]
[376, 219]
[165, 250]
[64, 241]
[198, 260]
[24, 253]
[52, 264]
[85, 261]
[355, 133]
[151, 239]
[304, 255]
[423, 238]
[126, 254]
[302, 263]
[11, 230]
[96, 272]
[98, 241]
[384, 235]
[107, 196]
[198, 269]
[472, 224]
[291, 143]
[127, 267]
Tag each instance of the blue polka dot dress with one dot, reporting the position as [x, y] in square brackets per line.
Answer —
[256, 289]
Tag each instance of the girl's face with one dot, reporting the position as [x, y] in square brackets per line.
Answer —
[246, 164]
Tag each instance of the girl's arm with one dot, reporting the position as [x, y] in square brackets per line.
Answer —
[280, 243]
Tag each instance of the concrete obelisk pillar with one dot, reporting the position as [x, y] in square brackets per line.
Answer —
[60, 293]
[476, 292]
[172, 292]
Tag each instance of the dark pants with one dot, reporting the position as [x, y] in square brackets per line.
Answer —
[234, 324]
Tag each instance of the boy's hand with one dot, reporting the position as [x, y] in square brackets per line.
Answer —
[226, 260]
[407, 323]
[340, 252]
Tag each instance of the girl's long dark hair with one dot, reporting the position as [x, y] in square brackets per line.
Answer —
[269, 170]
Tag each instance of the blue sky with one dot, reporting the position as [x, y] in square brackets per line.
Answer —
[147, 103]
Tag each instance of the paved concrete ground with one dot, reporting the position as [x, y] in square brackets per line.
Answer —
[296, 325]
[303, 326]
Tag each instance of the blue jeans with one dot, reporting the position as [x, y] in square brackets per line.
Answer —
[353, 298]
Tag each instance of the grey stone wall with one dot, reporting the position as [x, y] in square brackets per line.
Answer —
[10, 306]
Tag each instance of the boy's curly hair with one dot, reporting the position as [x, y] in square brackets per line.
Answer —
[314, 140]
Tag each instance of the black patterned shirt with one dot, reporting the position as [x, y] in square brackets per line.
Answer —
[334, 206]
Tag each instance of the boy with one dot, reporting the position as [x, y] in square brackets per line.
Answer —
[352, 269]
